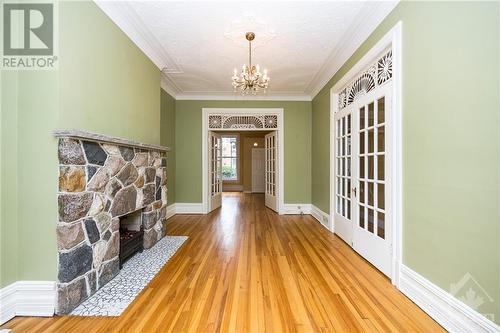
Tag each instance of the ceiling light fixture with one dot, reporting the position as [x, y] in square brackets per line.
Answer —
[250, 80]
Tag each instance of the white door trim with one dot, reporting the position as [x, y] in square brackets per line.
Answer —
[392, 39]
[243, 111]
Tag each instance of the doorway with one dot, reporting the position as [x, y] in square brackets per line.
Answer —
[243, 161]
[242, 151]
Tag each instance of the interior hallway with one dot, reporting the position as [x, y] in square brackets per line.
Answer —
[247, 269]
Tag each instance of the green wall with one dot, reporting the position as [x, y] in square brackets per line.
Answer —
[104, 84]
[451, 144]
[37, 176]
[8, 179]
[107, 84]
[167, 125]
[297, 126]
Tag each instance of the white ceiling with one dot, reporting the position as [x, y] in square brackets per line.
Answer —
[196, 44]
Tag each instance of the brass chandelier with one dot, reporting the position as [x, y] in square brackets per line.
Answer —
[250, 80]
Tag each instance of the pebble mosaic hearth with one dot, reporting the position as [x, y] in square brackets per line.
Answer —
[99, 182]
[137, 272]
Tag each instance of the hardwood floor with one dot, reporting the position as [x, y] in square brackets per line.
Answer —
[247, 269]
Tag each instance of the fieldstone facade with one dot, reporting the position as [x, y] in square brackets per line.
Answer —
[98, 183]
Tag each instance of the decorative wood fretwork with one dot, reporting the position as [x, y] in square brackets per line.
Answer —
[254, 121]
[377, 74]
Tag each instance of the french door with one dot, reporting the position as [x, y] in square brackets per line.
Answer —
[271, 158]
[363, 198]
[215, 170]
[343, 215]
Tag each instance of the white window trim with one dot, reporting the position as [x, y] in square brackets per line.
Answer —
[392, 39]
[238, 157]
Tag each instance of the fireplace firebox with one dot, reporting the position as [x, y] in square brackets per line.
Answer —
[131, 241]
[131, 236]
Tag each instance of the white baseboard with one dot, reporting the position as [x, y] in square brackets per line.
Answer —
[188, 208]
[448, 311]
[232, 188]
[8, 303]
[27, 298]
[318, 214]
[297, 209]
[322, 217]
[170, 211]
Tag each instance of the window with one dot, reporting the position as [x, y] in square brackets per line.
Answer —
[230, 157]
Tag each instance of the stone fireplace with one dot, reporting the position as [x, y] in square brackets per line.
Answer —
[103, 180]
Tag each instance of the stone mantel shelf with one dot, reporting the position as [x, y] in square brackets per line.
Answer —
[84, 135]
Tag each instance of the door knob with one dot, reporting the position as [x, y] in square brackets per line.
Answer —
[354, 190]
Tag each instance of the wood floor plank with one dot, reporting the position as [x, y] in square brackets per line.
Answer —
[246, 269]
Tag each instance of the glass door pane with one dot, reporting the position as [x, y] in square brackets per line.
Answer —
[371, 159]
[343, 137]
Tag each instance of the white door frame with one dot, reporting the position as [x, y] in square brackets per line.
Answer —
[392, 39]
[243, 111]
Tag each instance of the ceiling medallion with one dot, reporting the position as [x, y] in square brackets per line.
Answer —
[250, 80]
[248, 22]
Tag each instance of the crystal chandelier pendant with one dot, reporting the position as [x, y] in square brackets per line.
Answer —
[250, 80]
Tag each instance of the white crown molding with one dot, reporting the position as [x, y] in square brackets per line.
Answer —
[373, 13]
[126, 18]
[169, 86]
[27, 298]
[175, 91]
[448, 311]
[230, 96]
